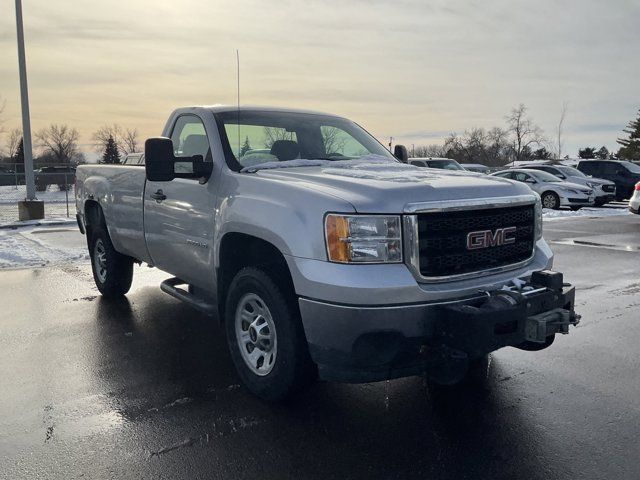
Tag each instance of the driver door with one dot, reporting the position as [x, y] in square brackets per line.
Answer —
[179, 214]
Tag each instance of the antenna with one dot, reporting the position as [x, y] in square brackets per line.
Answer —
[238, 77]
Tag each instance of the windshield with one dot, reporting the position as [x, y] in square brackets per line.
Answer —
[252, 138]
[544, 176]
[445, 164]
[632, 167]
[571, 172]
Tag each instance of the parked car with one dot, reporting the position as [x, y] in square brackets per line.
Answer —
[604, 190]
[8, 176]
[476, 167]
[62, 176]
[442, 163]
[634, 202]
[553, 191]
[624, 174]
[337, 261]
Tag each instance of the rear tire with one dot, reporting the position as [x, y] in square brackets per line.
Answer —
[112, 271]
[550, 200]
[265, 336]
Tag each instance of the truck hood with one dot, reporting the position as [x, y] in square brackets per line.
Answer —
[387, 187]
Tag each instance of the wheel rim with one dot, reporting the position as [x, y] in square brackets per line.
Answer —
[549, 201]
[256, 334]
[100, 260]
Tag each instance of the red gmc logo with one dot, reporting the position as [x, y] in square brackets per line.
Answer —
[488, 238]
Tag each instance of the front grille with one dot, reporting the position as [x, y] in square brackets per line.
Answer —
[608, 188]
[442, 238]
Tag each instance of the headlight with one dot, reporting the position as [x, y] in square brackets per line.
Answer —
[363, 238]
[538, 210]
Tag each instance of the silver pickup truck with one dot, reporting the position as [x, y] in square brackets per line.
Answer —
[322, 253]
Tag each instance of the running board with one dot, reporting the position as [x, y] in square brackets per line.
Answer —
[170, 286]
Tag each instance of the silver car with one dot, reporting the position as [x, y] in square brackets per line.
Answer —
[553, 191]
[604, 190]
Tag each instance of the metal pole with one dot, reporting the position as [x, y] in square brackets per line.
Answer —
[24, 100]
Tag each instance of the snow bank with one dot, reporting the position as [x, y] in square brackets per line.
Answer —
[11, 195]
[586, 212]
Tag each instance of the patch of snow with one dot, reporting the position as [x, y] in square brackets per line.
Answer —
[305, 162]
[585, 212]
[37, 246]
[11, 195]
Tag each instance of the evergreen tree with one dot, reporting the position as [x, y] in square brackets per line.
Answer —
[603, 153]
[18, 158]
[246, 146]
[111, 153]
[630, 149]
[587, 152]
[541, 154]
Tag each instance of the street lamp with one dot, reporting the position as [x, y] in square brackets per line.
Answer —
[30, 208]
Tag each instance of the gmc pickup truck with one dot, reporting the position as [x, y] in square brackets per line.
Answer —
[323, 254]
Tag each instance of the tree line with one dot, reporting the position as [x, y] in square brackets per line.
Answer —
[522, 139]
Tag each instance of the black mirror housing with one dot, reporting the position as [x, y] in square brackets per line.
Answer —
[159, 159]
[400, 152]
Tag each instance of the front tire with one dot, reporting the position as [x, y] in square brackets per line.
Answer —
[265, 336]
[112, 271]
[550, 200]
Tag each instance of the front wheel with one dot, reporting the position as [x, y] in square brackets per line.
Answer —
[112, 271]
[265, 336]
[550, 200]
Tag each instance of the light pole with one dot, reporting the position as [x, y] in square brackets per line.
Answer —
[30, 208]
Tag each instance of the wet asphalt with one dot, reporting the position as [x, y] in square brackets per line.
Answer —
[144, 388]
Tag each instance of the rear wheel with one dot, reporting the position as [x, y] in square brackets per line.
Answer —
[550, 200]
[265, 336]
[112, 271]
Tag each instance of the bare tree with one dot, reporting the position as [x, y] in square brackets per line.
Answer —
[60, 141]
[129, 143]
[334, 142]
[525, 132]
[15, 137]
[426, 151]
[2, 105]
[101, 136]
[272, 134]
[563, 114]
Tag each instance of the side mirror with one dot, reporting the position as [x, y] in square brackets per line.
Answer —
[562, 177]
[400, 152]
[159, 159]
[530, 180]
[161, 165]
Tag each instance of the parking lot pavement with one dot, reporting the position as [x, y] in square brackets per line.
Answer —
[144, 388]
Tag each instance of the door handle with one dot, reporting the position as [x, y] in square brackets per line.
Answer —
[158, 196]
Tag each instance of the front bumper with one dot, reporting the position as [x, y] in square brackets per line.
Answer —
[572, 199]
[365, 344]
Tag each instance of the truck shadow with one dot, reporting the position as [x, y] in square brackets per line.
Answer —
[172, 363]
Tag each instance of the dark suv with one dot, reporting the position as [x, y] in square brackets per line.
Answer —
[624, 174]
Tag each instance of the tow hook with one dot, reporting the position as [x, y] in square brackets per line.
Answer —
[538, 327]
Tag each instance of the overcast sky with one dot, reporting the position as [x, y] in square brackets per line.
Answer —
[414, 70]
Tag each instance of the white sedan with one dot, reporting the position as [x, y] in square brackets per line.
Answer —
[553, 191]
[634, 202]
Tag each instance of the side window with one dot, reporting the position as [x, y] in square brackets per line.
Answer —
[190, 138]
[588, 167]
[610, 168]
[521, 177]
[508, 175]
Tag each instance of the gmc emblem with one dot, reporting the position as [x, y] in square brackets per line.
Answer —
[488, 238]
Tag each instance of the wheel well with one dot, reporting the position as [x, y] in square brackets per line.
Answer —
[239, 250]
[92, 216]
